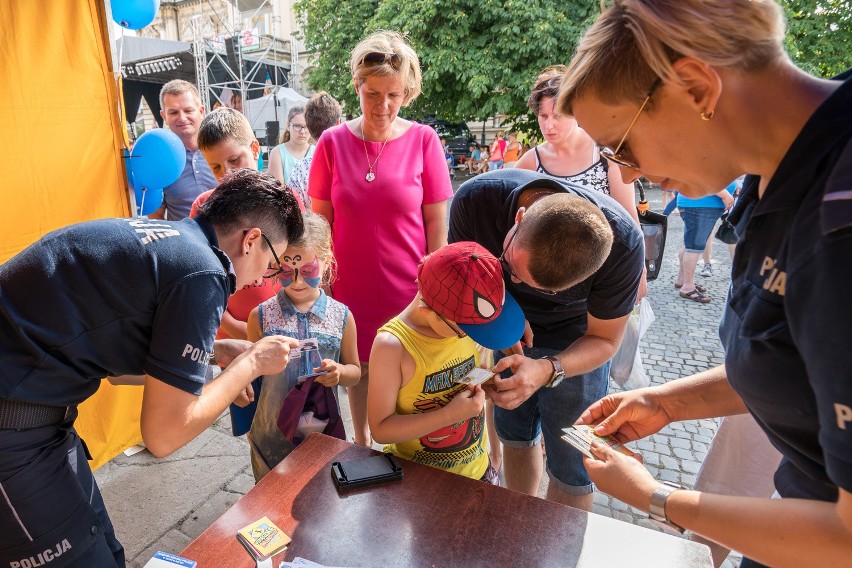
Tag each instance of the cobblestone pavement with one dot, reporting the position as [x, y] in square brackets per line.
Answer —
[164, 504]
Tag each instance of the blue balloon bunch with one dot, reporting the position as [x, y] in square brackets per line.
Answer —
[157, 160]
[134, 14]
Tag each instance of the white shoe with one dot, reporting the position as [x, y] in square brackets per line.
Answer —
[706, 270]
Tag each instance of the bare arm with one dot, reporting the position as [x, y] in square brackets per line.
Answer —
[622, 192]
[233, 327]
[347, 372]
[128, 380]
[276, 169]
[172, 417]
[527, 161]
[324, 208]
[160, 213]
[435, 223]
[386, 379]
[775, 532]
[642, 412]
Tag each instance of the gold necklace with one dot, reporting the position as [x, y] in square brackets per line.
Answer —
[370, 175]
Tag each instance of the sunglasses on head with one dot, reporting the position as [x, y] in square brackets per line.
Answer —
[379, 58]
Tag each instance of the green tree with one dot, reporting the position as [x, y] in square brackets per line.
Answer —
[819, 35]
[479, 57]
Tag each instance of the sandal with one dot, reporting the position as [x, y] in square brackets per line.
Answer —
[696, 296]
[698, 287]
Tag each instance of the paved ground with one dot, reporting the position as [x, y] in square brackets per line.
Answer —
[164, 504]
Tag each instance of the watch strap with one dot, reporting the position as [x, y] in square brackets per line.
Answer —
[558, 371]
[657, 507]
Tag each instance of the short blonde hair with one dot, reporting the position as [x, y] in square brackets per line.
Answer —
[317, 236]
[224, 123]
[633, 43]
[390, 43]
[176, 88]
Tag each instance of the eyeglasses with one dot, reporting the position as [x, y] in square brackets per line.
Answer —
[505, 264]
[455, 329]
[277, 261]
[615, 155]
[298, 127]
[379, 58]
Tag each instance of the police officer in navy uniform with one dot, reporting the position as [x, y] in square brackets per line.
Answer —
[136, 299]
[706, 92]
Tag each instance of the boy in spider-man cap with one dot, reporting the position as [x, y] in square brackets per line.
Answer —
[415, 405]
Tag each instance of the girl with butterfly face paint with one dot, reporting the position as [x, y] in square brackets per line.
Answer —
[301, 310]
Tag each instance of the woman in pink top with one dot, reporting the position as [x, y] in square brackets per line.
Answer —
[382, 183]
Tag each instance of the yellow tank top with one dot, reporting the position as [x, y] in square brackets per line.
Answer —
[461, 447]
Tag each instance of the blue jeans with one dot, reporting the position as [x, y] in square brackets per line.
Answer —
[698, 223]
[546, 412]
[495, 165]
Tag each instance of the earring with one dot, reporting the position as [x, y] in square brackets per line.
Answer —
[709, 116]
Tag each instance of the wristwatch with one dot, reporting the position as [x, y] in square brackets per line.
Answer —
[657, 508]
[558, 372]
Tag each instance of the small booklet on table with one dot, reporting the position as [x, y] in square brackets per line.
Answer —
[263, 539]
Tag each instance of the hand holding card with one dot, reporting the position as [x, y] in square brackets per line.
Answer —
[581, 436]
[476, 376]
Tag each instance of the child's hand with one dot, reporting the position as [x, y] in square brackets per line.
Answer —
[467, 403]
[245, 398]
[332, 375]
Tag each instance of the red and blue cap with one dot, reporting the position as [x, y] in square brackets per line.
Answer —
[463, 282]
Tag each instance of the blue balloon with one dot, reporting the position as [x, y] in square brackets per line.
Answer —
[148, 200]
[134, 14]
[157, 159]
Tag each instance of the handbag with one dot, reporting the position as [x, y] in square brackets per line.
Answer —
[654, 229]
[726, 232]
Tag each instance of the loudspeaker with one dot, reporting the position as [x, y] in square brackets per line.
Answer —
[230, 54]
[271, 133]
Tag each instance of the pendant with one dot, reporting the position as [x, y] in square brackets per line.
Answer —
[370, 176]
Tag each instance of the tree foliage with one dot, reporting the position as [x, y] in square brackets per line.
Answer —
[481, 57]
[819, 35]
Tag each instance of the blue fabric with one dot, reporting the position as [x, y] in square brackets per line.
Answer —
[547, 412]
[698, 223]
[711, 201]
[241, 416]
[786, 327]
[195, 179]
[108, 298]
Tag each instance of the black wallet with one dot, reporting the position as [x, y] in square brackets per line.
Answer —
[365, 471]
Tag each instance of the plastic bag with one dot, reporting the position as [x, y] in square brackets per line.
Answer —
[627, 370]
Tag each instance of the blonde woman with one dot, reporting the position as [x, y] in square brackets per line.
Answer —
[691, 94]
[382, 183]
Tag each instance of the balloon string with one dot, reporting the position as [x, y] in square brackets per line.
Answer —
[121, 49]
[142, 204]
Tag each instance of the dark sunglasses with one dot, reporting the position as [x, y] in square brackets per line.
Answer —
[277, 261]
[505, 264]
[379, 58]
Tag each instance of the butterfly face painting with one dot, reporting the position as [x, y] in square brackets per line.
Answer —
[296, 266]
